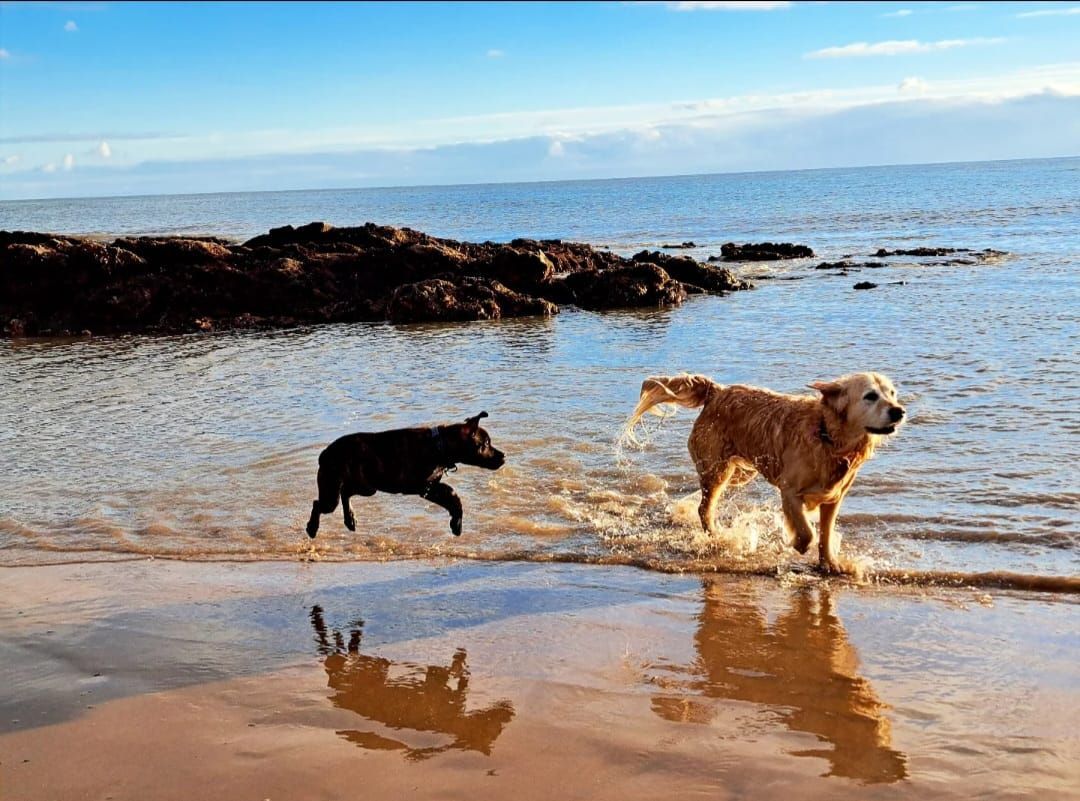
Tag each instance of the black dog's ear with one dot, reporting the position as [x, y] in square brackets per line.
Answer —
[474, 422]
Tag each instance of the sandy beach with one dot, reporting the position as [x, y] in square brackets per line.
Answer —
[165, 680]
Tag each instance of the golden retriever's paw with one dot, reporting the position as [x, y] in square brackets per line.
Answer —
[831, 567]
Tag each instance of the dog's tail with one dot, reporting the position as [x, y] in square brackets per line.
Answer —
[663, 391]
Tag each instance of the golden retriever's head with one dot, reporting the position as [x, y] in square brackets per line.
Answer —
[863, 401]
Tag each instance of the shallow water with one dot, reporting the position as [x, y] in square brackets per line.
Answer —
[205, 446]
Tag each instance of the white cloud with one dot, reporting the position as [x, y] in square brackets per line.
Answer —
[104, 150]
[896, 47]
[903, 12]
[495, 53]
[1033, 126]
[1052, 12]
[572, 128]
[69, 161]
[4, 54]
[731, 5]
[50, 167]
[10, 160]
[912, 86]
[70, 26]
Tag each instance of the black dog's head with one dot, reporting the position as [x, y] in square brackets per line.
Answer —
[475, 447]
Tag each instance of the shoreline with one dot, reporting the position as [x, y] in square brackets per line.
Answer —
[469, 679]
[788, 571]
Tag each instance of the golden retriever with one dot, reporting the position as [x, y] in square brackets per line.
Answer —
[810, 448]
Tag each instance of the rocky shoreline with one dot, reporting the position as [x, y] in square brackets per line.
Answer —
[55, 285]
[62, 285]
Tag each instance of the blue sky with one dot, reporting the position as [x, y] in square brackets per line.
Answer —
[130, 98]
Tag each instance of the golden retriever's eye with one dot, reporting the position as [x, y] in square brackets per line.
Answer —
[870, 396]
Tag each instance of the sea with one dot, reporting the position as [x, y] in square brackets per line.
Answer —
[205, 446]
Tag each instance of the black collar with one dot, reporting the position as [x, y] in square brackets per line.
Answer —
[440, 443]
[823, 434]
[440, 446]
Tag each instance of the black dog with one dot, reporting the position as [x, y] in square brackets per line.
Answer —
[408, 461]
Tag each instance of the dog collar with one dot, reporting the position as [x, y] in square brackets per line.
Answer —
[437, 436]
[440, 445]
[823, 434]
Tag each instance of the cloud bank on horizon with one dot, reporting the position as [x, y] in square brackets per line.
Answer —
[721, 89]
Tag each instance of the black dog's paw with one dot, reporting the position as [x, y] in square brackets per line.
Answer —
[350, 523]
[455, 526]
[312, 530]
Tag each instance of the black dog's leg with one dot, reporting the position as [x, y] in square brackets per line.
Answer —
[346, 508]
[326, 503]
[445, 496]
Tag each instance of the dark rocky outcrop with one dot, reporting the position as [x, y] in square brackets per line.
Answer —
[316, 273]
[693, 273]
[849, 265]
[683, 246]
[633, 285]
[865, 285]
[920, 251]
[974, 257]
[763, 251]
[472, 299]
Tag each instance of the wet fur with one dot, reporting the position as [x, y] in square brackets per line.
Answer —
[810, 448]
[407, 461]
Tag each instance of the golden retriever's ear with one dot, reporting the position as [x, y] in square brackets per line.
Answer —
[832, 393]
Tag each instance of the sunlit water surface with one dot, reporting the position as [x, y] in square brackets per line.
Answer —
[205, 446]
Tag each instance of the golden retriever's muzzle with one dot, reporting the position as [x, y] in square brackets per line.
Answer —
[896, 415]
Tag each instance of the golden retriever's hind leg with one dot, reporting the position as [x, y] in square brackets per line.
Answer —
[828, 540]
[713, 484]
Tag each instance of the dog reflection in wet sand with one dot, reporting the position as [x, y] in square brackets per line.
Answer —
[427, 700]
[802, 667]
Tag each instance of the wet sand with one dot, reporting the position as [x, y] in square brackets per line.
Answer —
[155, 680]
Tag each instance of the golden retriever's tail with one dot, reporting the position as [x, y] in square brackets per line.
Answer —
[665, 392]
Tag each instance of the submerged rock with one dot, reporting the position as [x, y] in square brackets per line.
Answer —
[971, 256]
[865, 285]
[920, 251]
[848, 265]
[762, 251]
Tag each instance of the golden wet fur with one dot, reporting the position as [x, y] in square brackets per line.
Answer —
[810, 448]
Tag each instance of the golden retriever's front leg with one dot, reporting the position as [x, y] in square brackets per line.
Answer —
[795, 515]
[828, 540]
